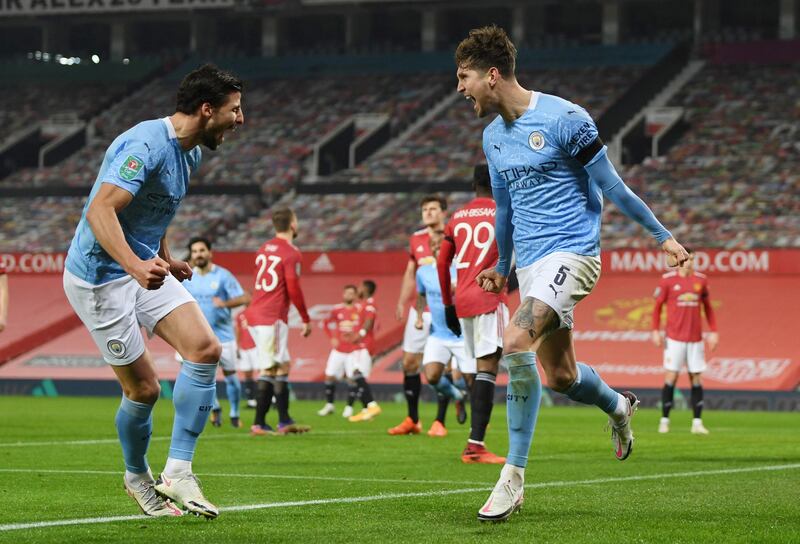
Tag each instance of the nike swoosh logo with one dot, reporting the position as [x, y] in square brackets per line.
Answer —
[167, 481]
[488, 507]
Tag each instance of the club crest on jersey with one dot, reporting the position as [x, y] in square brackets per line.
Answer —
[536, 140]
[215, 285]
[117, 348]
[130, 168]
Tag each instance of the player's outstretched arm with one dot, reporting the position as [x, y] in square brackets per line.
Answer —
[604, 173]
[494, 279]
[102, 218]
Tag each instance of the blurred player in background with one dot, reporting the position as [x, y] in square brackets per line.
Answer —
[469, 237]
[349, 358]
[3, 297]
[549, 172]
[442, 344]
[247, 361]
[369, 314]
[119, 276]
[683, 291]
[217, 292]
[277, 272]
[433, 209]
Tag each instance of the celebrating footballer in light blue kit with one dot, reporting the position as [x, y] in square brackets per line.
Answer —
[120, 276]
[549, 171]
[148, 162]
[217, 291]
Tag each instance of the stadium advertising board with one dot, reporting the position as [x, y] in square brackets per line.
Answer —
[74, 7]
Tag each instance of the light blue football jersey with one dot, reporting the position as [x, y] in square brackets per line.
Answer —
[556, 206]
[148, 162]
[218, 282]
[428, 285]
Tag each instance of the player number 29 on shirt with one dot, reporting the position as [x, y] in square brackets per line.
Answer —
[262, 283]
[476, 238]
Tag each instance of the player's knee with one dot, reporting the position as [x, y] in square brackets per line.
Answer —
[516, 341]
[410, 366]
[209, 351]
[561, 379]
[146, 391]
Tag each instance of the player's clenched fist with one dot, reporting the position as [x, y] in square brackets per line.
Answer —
[151, 273]
[180, 269]
[491, 280]
[676, 254]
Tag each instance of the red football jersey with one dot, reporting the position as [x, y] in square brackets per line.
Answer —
[277, 265]
[345, 321]
[419, 247]
[245, 340]
[367, 310]
[683, 296]
[471, 231]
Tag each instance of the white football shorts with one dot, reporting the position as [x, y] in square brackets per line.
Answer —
[115, 312]
[272, 344]
[678, 354]
[438, 350]
[414, 338]
[560, 280]
[483, 334]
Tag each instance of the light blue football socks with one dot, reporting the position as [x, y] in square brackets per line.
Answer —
[446, 388]
[134, 423]
[589, 388]
[233, 388]
[193, 397]
[522, 402]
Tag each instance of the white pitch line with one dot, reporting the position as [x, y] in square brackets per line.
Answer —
[239, 475]
[390, 496]
[97, 441]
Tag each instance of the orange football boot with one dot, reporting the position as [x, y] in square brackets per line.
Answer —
[478, 454]
[407, 427]
[437, 429]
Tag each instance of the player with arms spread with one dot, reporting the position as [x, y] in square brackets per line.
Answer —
[119, 276]
[469, 238]
[683, 291]
[277, 272]
[549, 171]
[433, 209]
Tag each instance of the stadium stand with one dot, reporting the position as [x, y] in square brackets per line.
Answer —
[433, 153]
[730, 180]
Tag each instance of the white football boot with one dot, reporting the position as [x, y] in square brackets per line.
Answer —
[621, 432]
[326, 410]
[506, 497]
[663, 425]
[151, 503]
[185, 490]
[347, 412]
[698, 427]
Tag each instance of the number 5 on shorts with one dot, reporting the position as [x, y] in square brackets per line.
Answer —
[561, 275]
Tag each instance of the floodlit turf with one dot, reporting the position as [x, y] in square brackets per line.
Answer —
[59, 460]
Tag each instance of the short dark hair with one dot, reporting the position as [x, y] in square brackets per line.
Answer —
[434, 198]
[370, 285]
[282, 218]
[198, 239]
[206, 84]
[481, 178]
[487, 47]
[689, 250]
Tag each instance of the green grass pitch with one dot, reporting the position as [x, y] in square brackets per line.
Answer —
[344, 482]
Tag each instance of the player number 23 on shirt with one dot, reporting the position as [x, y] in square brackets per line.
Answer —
[474, 238]
[271, 281]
